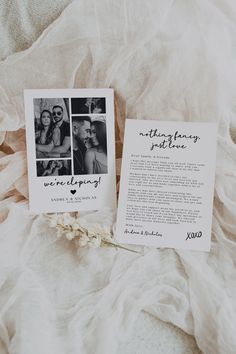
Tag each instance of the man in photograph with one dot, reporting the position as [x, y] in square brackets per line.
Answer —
[81, 133]
[60, 144]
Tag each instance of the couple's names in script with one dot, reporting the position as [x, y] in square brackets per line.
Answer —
[169, 140]
[142, 233]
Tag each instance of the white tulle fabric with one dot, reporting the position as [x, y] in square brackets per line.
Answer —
[166, 60]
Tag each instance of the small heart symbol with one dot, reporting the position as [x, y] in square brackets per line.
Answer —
[73, 191]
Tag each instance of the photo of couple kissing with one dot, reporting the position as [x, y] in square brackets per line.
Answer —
[89, 145]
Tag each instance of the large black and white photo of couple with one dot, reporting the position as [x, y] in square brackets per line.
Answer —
[89, 145]
[52, 127]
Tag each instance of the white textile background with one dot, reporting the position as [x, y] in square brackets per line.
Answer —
[166, 60]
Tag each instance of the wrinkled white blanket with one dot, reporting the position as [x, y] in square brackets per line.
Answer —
[166, 60]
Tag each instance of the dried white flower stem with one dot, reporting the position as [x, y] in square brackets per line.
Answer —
[69, 227]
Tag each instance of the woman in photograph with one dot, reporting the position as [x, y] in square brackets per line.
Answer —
[96, 156]
[47, 134]
[52, 169]
[95, 105]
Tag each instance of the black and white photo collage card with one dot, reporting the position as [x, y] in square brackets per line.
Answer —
[70, 149]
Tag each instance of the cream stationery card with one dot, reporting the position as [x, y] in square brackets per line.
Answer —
[167, 184]
[70, 149]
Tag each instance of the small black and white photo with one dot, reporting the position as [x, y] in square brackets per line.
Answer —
[88, 105]
[47, 168]
[89, 145]
[52, 127]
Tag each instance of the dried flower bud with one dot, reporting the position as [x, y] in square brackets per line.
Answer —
[94, 242]
[83, 241]
[70, 235]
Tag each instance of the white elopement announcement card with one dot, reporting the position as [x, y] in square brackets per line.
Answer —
[70, 149]
[167, 184]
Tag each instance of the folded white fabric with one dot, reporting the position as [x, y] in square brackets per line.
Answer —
[166, 60]
[21, 22]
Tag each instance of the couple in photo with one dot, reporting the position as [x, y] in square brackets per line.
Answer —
[53, 134]
[53, 168]
[89, 146]
[89, 105]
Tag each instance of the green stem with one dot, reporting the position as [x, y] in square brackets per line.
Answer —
[119, 246]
